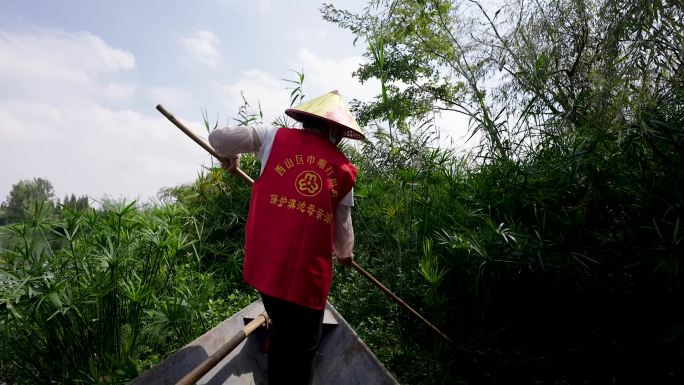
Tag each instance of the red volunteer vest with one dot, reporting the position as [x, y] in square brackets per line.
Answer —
[288, 247]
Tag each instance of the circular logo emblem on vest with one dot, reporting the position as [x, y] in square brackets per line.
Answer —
[308, 183]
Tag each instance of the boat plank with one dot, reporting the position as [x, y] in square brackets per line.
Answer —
[342, 356]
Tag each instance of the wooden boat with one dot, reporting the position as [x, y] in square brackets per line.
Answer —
[342, 356]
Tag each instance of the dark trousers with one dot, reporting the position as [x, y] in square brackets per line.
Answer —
[295, 333]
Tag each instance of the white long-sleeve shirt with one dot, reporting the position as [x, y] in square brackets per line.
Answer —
[232, 141]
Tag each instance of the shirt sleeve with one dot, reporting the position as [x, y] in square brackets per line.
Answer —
[266, 137]
[348, 200]
[343, 232]
[231, 141]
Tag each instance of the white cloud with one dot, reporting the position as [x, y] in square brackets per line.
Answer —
[62, 67]
[454, 131]
[119, 91]
[324, 74]
[25, 120]
[60, 70]
[171, 98]
[203, 47]
[261, 90]
[57, 122]
[321, 75]
[98, 151]
[265, 6]
[59, 55]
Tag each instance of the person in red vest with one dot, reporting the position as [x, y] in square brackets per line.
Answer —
[299, 214]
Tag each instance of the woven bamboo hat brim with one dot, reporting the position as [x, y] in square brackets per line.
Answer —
[331, 108]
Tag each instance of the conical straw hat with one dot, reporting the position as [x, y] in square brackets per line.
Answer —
[331, 108]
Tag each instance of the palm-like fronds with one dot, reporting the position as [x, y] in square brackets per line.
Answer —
[84, 297]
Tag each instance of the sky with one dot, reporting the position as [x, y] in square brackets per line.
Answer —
[80, 79]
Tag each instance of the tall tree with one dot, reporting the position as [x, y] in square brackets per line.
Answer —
[524, 72]
[27, 198]
[74, 203]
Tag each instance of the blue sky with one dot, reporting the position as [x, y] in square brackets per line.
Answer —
[79, 81]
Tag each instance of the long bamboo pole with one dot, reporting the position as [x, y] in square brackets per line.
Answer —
[201, 142]
[356, 267]
[211, 361]
[399, 300]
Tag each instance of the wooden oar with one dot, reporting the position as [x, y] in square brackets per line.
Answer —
[250, 181]
[222, 352]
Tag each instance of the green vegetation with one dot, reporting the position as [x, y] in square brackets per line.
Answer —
[98, 296]
[554, 255]
[25, 198]
[551, 254]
